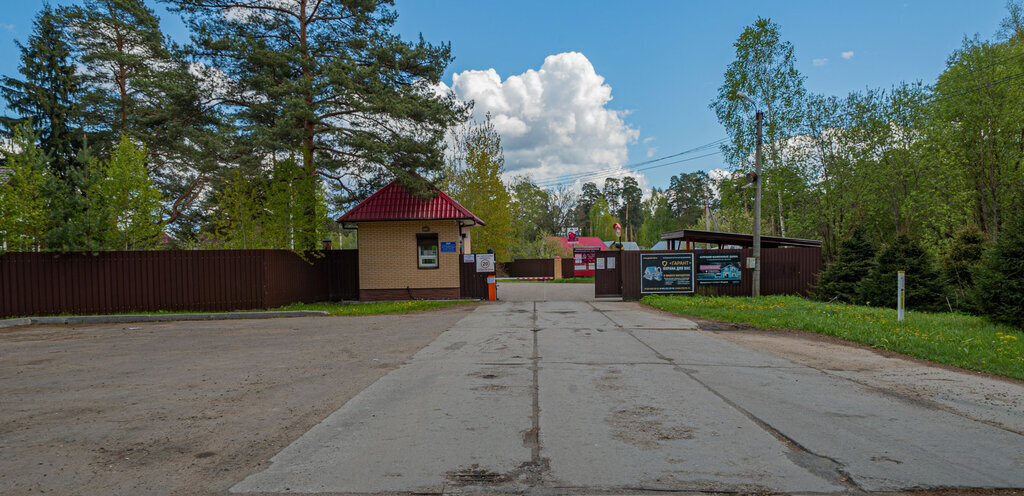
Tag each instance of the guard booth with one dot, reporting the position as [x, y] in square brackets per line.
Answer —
[412, 247]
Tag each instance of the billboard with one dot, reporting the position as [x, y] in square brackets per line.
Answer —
[718, 268]
[666, 273]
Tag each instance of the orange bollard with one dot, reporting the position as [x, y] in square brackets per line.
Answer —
[492, 290]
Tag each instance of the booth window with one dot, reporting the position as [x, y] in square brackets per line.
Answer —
[426, 250]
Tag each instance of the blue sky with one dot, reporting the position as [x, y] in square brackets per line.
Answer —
[663, 62]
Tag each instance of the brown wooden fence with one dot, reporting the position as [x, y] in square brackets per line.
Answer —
[791, 270]
[204, 280]
[568, 267]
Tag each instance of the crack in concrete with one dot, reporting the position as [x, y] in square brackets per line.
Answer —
[823, 466]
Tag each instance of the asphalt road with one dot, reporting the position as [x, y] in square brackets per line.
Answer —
[610, 397]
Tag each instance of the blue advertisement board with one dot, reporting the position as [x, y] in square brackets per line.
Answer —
[666, 273]
[718, 268]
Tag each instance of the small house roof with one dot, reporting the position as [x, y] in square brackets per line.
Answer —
[394, 202]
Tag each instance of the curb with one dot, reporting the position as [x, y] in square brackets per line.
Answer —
[171, 317]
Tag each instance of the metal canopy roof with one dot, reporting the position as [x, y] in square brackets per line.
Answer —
[393, 202]
[735, 239]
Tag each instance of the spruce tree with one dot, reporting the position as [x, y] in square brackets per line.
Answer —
[840, 278]
[999, 281]
[925, 289]
[961, 261]
[47, 95]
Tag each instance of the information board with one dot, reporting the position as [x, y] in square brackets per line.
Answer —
[666, 273]
[447, 247]
[718, 268]
[584, 261]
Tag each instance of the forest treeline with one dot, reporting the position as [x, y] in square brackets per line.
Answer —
[271, 118]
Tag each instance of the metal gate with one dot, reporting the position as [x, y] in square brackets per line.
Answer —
[608, 274]
[472, 284]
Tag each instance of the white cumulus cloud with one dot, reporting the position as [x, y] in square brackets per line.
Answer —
[848, 55]
[651, 151]
[819, 62]
[553, 121]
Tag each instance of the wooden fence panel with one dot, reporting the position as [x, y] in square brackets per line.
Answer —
[207, 280]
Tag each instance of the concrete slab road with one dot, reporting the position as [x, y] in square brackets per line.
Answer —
[610, 397]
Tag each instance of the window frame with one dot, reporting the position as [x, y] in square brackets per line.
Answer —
[425, 240]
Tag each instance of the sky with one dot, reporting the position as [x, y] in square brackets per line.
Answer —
[597, 87]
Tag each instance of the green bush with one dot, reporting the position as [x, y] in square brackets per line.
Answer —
[999, 281]
[925, 289]
[839, 280]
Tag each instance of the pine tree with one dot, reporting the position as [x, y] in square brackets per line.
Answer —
[999, 281]
[924, 284]
[331, 83]
[47, 95]
[839, 281]
[137, 84]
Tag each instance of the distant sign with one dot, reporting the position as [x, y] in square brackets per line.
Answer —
[573, 235]
[666, 273]
[447, 246]
[718, 268]
[485, 262]
[585, 261]
[470, 258]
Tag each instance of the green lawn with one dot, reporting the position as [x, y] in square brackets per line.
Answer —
[955, 339]
[375, 308]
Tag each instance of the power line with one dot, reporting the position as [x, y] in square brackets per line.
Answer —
[549, 183]
[567, 178]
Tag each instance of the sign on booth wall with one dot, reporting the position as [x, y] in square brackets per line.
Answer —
[469, 258]
[718, 268]
[485, 262]
[666, 273]
[447, 246]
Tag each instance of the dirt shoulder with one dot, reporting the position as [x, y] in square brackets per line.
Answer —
[184, 407]
[986, 398]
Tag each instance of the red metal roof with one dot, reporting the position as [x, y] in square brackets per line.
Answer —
[584, 242]
[394, 202]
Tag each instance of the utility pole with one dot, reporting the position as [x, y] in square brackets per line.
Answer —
[757, 209]
[758, 116]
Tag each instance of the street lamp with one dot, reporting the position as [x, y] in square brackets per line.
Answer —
[756, 283]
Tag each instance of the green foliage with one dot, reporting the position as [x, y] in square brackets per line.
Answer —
[688, 194]
[23, 178]
[78, 218]
[128, 193]
[999, 279]
[46, 97]
[954, 339]
[601, 221]
[476, 184]
[332, 83]
[960, 261]
[925, 289]
[841, 278]
[660, 219]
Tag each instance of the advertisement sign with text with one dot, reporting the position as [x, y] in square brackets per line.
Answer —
[718, 268]
[666, 273]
